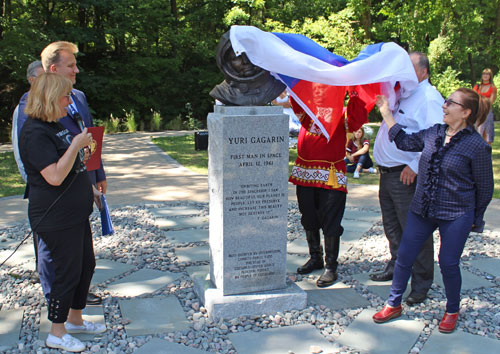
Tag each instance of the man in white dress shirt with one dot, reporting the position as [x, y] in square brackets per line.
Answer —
[417, 110]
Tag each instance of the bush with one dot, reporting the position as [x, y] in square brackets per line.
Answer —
[191, 123]
[448, 81]
[156, 121]
[175, 123]
[130, 123]
[496, 104]
[112, 125]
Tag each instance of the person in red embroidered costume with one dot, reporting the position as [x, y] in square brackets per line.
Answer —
[320, 176]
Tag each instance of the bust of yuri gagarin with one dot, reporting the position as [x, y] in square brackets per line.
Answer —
[244, 83]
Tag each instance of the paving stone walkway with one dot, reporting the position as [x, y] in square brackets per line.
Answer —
[146, 311]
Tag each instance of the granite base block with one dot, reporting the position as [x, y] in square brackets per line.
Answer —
[232, 306]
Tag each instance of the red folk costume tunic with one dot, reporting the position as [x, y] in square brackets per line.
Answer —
[321, 163]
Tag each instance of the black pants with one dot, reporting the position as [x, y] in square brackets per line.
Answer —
[395, 198]
[72, 254]
[322, 209]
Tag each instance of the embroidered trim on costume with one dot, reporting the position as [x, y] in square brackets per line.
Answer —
[316, 175]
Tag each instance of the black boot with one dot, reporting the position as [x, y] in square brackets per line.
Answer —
[386, 275]
[316, 252]
[329, 276]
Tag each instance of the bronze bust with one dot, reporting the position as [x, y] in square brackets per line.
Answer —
[245, 84]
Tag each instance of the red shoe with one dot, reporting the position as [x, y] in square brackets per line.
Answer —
[387, 313]
[448, 322]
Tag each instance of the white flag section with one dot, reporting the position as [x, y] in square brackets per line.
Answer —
[296, 59]
[390, 65]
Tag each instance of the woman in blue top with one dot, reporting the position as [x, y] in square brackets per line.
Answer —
[454, 187]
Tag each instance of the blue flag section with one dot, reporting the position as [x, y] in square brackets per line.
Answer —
[106, 223]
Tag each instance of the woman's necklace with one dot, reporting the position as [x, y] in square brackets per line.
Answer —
[485, 87]
[448, 134]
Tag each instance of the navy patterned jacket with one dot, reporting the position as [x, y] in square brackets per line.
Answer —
[453, 178]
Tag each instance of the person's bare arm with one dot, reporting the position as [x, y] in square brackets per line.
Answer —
[55, 173]
[407, 176]
[383, 106]
[102, 186]
[361, 151]
[493, 96]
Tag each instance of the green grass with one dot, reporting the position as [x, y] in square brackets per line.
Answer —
[11, 182]
[181, 148]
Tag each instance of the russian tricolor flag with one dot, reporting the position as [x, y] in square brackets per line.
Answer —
[318, 79]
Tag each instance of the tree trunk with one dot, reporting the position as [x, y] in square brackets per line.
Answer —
[497, 27]
[2, 15]
[82, 21]
[173, 8]
[472, 71]
[366, 19]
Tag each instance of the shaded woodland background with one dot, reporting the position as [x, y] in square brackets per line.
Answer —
[156, 58]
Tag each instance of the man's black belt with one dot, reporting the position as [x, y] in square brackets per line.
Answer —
[383, 169]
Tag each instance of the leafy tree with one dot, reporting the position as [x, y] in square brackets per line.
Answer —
[157, 55]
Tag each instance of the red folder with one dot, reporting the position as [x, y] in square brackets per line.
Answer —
[95, 158]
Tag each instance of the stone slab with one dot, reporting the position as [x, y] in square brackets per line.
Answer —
[354, 229]
[144, 281]
[469, 280]
[161, 346]
[248, 186]
[356, 225]
[106, 269]
[90, 313]
[396, 336]
[381, 288]
[193, 254]
[174, 211]
[10, 327]
[9, 244]
[294, 261]
[488, 265]
[153, 315]
[181, 222]
[299, 246]
[336, 296]
[459, 342]
[292, 339]
[191, 235]
[364, 215]
[257, 303]
[202, 270]
[24, 256]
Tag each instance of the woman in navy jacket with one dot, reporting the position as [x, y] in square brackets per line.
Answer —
[454, 187]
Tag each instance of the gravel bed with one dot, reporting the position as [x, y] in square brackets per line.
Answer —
[139, 243]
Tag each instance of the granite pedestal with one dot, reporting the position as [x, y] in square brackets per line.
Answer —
[248, 188]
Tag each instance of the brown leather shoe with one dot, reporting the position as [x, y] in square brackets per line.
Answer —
[328, 277]
[387, 313]
[448, 323]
